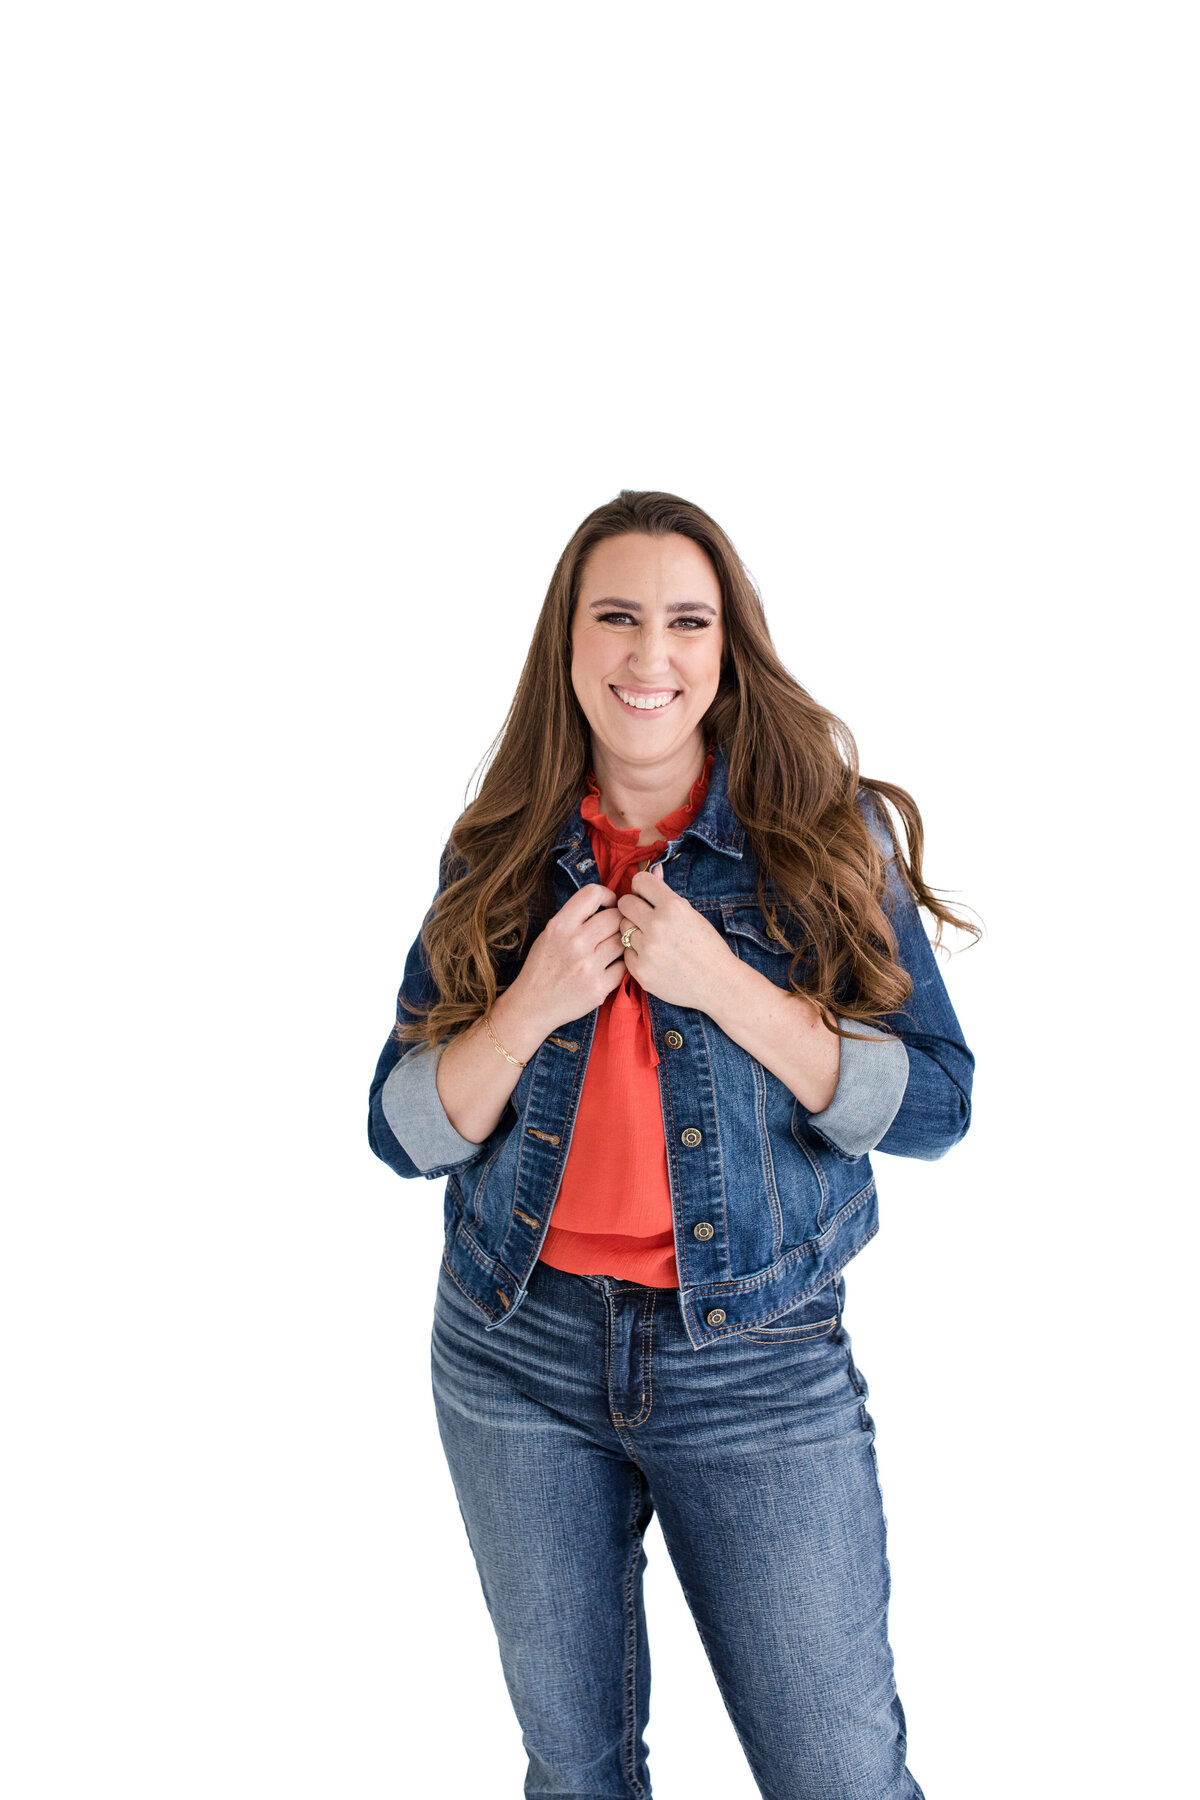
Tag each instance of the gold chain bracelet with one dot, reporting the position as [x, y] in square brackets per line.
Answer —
[487, 1019]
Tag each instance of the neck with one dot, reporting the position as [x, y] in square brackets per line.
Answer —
[639, 794]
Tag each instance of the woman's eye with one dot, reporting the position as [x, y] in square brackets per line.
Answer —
[686, 619]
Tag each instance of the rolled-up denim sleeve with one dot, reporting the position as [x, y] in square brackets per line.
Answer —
[870, 1088]
[408, 1128]
[413, 1110]
[910, 1094]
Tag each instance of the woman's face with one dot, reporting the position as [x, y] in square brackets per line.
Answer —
[648, 624]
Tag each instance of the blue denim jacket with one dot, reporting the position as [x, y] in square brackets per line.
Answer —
[769, 1199]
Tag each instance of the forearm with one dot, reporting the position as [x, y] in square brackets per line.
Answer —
[474, 1081]
[783, 1031]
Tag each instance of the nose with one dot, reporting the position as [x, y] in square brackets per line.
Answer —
[651, 654]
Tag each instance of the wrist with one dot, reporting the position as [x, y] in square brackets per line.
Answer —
[731, 988]
[518, 1025]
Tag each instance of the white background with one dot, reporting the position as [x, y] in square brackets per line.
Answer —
[325, 326]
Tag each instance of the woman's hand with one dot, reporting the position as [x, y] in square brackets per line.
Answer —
[575, 961]
[675, 953]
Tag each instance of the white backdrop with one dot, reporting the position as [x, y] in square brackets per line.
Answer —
[325, 326]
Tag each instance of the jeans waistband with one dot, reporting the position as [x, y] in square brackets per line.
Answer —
[603, 1284]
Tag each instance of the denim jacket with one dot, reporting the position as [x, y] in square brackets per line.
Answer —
[769, 1200]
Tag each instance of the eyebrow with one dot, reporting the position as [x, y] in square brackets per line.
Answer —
[673, 606]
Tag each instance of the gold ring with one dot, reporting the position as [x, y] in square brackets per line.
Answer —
[627, 934]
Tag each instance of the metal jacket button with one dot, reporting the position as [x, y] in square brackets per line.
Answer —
[715, 1317]
[690, 1137]
[673, 1039]
[703, 1230]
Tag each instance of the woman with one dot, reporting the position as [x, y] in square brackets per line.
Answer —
[672, 990]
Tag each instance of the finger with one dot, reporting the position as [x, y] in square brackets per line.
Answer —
[636, 908]
[655, 875]
[608, 922]
[590, 898]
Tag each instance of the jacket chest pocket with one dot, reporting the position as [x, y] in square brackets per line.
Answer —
[746, 930]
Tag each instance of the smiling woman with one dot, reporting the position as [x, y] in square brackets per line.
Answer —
[653, 1093]
[646, 656]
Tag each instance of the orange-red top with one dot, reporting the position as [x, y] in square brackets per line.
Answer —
[613, 1211]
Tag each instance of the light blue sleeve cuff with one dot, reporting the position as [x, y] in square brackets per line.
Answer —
[871, 1083]
[413, 1109]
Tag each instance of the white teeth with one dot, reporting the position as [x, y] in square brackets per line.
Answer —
[642, 702]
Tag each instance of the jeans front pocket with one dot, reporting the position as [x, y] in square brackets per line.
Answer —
[817, 1317]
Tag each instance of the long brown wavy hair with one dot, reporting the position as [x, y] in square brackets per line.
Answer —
[793, 778]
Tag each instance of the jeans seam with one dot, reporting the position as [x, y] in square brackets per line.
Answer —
[486, 1310]
[631, 1636]
[643, 1412]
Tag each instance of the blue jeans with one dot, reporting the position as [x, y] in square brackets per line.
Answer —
[569, 1426]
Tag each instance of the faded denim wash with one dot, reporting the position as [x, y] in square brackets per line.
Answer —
[591, 1411]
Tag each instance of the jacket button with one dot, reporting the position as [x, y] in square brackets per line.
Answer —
[703, 1230]
[715, 1317]
[673, 1039]
[690, 1137]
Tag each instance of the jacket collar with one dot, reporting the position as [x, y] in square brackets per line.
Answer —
[716, 823]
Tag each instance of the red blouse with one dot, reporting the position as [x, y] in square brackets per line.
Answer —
[613, 1211]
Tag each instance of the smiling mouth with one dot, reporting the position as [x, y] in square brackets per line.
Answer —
[632, 701]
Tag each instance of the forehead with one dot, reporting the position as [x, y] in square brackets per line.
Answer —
[651, 570]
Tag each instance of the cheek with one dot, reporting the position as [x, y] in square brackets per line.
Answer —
[706, 659]
[580, 667]
[589, 658]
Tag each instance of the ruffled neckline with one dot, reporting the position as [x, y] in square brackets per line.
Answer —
[625, 836]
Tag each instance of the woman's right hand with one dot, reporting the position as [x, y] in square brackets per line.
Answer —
[576, 960]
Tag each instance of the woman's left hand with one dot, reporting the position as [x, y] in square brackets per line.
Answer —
[675, 953]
